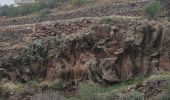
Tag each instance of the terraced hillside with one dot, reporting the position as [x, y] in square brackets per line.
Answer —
[96, 10]
[105, 51]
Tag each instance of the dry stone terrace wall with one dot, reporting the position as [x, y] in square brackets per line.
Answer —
[123, 9]
[104, 53]
[134, 9]
[13, 39]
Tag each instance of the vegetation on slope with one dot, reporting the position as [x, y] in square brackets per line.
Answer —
[152, 9]
[122, 91]
[42, 6]
[87, 90]
[28, 8]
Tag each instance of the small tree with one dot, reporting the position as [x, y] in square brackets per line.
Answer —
[152, 9]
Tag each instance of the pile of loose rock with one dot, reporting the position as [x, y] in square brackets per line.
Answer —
[62, 28]
[152, 88]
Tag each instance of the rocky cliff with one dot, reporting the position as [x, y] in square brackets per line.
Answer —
[107, 50]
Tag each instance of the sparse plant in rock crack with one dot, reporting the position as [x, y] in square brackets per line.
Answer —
[152, 9]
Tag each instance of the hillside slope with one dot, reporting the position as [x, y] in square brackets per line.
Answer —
[107, 51]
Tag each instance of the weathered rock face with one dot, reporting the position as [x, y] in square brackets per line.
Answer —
[104, 53]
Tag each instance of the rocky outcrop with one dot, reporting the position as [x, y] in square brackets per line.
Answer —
[104, 53]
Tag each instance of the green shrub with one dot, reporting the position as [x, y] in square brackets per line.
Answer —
[168, 19]
[35, 50]
[79, 2]
[44, 4]
[132, 96]
[29, 8]
[113, 96]
[168, 86]
[7, 88]
[56, 86]
[90, 92]
[108, 20]
[152, 9]
[50, 95]
[44, 12]
[166, 94]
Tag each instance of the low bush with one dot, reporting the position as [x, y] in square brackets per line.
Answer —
[108, 20]
[80, 2]
[152, 9]
[166, 94]
[29, 8]
[44, 12]
[168, 19]
[48, 96]
[35, 50]
[90, 92]
[56, 86]
[8, 88]
[22, 90]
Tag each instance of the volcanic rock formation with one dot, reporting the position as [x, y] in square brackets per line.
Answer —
[85, 49]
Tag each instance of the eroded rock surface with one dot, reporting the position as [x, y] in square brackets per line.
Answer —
[88, 49]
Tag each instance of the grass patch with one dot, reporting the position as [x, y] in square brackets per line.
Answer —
[166, 94]
[165, 76]
[108, 20]
[168, 19]
[9, 88]
[28, 8]
[132, 96]
[79, 2]
[28, 89]
[92, 91]
[44, 12]
[152, 9]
